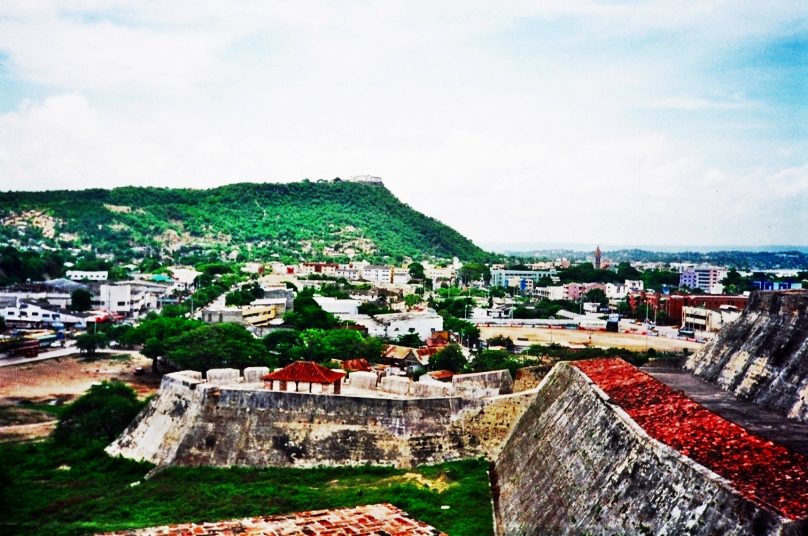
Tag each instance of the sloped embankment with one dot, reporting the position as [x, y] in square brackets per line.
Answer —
[578, 462]
[763, 356]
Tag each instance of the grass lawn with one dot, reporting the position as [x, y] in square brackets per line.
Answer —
[46, 488]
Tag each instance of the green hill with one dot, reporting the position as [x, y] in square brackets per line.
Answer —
[311, 220]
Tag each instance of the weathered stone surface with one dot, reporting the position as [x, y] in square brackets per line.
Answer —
[254, 374]
[495, 382]
[363, 380]
[763, 356]
[397, 385]
[224, 376]
[577, 464]
[195, 423]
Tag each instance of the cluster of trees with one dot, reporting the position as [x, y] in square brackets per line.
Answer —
[20, 266]
[245, 295]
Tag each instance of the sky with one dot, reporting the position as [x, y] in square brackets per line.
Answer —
[621, 122]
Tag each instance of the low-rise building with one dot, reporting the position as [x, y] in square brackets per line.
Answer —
[423, 323]
[338, 306]
[85, 275]
[520, 278]
[22, 313]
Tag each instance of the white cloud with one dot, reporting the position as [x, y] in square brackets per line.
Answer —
[550, 143]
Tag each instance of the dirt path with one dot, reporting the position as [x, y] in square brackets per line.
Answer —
[57, 381]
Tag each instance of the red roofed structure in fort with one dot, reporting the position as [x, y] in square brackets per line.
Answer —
[306, 372]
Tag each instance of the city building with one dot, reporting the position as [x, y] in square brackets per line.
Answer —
[706, 278]
[519, 278]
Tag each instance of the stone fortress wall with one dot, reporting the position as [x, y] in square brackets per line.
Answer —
[576, 463]
[763, 355]
[226, 421]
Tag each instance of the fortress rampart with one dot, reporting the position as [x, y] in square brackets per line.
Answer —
[577, 463]
[763, 355]
[195, 422]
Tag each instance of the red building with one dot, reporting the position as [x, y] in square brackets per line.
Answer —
[672, 304]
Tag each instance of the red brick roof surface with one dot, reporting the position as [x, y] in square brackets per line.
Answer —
[765, 472]
[374, 519]
[304, 371]
[352, 365]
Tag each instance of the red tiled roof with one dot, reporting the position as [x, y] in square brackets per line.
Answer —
[761, 470]
[442, 374]
[373, 519]
[352, 365]
[304, 371]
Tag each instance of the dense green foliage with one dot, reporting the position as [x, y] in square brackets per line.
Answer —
[244, 295]
[564, 353]
[20, 266]
[89, 342]
[99, 415]
[210, 346]
[50, 488]
[448, 358]
[308, 314]
[81, 300]
[273, 218]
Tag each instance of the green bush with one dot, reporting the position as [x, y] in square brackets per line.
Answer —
[99, 415]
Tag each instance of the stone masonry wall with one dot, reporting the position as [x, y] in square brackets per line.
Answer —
[576, 464]
[763, 355]
[191, 422]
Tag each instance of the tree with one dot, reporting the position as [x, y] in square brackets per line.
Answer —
[81, 300]
[449, 358]
[99, 415]
[329, 345]
[416, 270]
[410, 339]
[411, 300]
[373, 308]
[153, 333]
[626, 271]
[308, 314]
[90, 342]
[501, 340]
[217, 345]
[596, 295]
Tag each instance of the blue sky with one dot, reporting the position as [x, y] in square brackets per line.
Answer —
[664, 122]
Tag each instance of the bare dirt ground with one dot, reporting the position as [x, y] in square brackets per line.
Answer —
[57, 381]
[581, 338]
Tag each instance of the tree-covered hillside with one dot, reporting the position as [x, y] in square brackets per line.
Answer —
[312, 220]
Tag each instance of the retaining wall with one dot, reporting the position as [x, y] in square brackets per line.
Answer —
[190, 422]
[763, 355]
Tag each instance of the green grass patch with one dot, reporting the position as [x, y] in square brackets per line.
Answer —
[46, 488]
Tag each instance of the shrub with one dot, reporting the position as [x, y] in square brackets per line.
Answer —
[99, 415]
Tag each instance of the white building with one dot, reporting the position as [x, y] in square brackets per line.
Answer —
[385, 275]
[81, 275]
[337, 306]
[519, 278]
[550, 293]
[424, 323]
[31, 314]
[184, 277]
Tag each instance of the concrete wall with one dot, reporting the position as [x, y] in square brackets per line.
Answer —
[763, 356]
[191, 422]
[575, 464]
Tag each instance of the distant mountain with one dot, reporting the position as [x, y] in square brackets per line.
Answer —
[311, 220]
[777, 258]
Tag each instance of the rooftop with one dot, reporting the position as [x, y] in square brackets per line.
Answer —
[306, 372]
[761, 470]
[373, 519]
